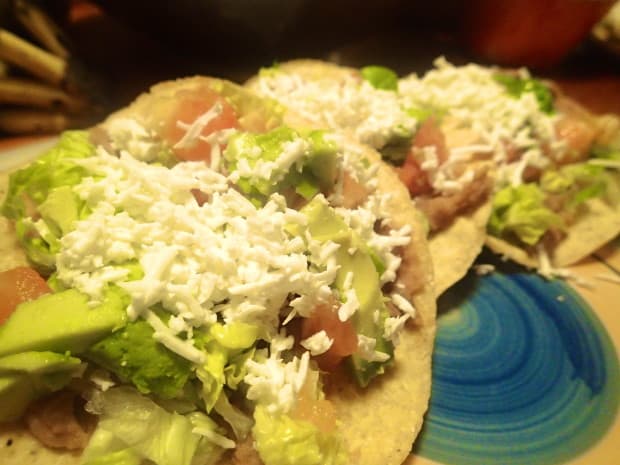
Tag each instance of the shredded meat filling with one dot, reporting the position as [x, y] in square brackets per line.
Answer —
[59, 422]
[440, 210]
[246, 454]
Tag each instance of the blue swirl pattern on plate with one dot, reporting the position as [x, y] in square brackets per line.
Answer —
[524, 372]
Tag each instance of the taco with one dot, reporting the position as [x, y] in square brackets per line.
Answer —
[424, 148]
[212, 292]
[557, 185]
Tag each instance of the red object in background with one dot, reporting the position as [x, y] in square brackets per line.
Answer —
[535, 33]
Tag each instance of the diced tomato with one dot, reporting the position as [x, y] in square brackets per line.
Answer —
[19, 285]
[411, 174]
[413, 177]
[325, 318]
[191, 105]
[578, 135]
[320, 412]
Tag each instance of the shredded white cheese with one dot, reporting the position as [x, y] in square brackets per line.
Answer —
[470, 96]
[274, 382]
[318, 343]
[366, 349]
[375, 116]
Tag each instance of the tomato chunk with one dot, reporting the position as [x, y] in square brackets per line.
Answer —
[411, 173]
[192, 105]
[578, 136]
[324, 318]
[19, 285]
[320, 412]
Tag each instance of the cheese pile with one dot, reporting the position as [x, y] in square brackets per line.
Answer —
[471, 98]
[224, 259]
[375, 116]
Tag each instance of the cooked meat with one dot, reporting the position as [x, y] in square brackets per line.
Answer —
[246, 454]
[354, 194]
[58, 421]
[440, 210]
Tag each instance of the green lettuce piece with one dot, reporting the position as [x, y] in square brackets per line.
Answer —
[135, 356]
[235, 370]
[318, 170]
[521, 212]
[132, 425]
[380, 77]
[225, 361]
[240, 423]
[104, 448]
[54, 169]
[517, 86]
[43, 189]
[281, 440]
[579, 182]
[422, 114]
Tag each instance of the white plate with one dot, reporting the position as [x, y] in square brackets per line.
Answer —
[13, 158]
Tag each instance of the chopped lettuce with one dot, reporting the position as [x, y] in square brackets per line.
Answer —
[281, 440]
[578, 182]
[41, 201]
[422, 114]
[225, 363]
[275, 165]
[517, 86]
[104, 448]
[133, 428]
[135, 356]
[54, 169]
[240, 423]
[380, 77]
[521, 212]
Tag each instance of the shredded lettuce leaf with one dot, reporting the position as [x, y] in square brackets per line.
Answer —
[133, 427]
[226, 348]
[578, 182]
[316, 171]
[521, 211]
[281, 440]
[43, 189]
[380, 77]
[517, 86]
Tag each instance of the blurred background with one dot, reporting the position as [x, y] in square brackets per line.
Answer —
[108, 51]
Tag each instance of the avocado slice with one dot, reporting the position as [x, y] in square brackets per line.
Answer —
[60, 209]
[16, 393]
[324, 225]
[38, 363]
[27, 376]
[61, 322]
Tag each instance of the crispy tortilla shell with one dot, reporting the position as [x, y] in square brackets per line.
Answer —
[390, 412]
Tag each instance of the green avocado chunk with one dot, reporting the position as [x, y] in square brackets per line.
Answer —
[38, 363]
[353, 257]
[16, 393]
[61, 322]
[27, 376]
[134, 355]
[61, 210]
